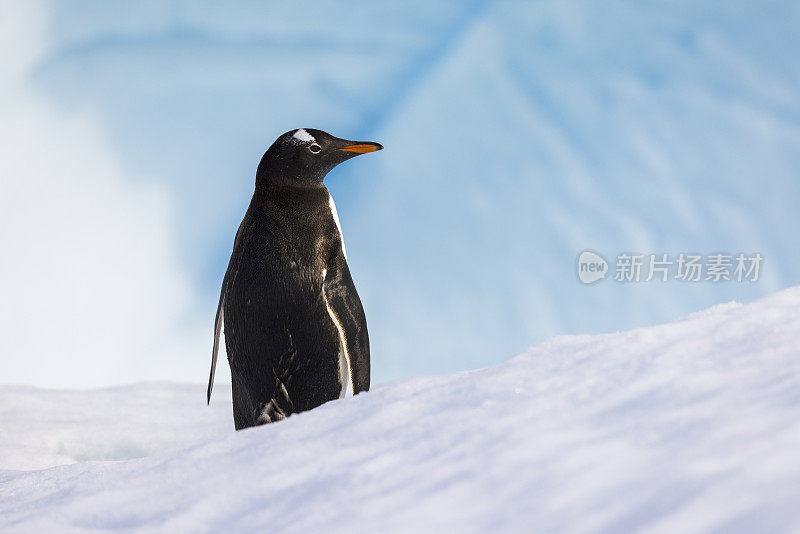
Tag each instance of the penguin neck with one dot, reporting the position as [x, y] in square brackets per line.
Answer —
[266, 189]
[267, 178]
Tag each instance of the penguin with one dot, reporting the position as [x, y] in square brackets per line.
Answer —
[295, 329]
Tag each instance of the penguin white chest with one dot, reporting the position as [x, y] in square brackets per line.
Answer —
[335, 214]
[345, 366]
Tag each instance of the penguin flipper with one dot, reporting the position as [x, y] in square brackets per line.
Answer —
[342, 298]
[215, 350]
[230, 274]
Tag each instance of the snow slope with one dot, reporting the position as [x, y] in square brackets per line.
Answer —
[686, 427]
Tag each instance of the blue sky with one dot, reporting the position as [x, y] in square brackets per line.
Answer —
[517, 135]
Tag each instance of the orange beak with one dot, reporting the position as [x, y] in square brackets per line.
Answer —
[362, 148]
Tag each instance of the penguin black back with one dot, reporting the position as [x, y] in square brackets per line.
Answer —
[295, 330]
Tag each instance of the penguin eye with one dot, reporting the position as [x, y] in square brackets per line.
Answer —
[315, 148]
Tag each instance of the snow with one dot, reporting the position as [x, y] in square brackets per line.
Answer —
[686, 427]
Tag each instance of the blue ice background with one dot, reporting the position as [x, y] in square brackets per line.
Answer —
[517, 134]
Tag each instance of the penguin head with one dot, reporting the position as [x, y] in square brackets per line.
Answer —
[303, 157]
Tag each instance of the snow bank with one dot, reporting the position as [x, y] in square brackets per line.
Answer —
[43, 428]
[687, 427]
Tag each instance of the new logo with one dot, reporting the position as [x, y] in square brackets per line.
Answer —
[591, 267]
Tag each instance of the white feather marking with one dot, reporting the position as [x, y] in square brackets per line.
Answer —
[265, 416]
[285, 393]
[345, 369]
[335, 214]
[303, 136]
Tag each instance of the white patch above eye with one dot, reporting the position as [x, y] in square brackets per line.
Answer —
[303, 136]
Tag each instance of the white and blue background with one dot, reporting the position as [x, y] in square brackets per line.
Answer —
[516, 134]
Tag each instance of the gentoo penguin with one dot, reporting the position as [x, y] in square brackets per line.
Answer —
[295, 330]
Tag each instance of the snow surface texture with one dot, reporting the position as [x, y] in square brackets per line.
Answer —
[687, 427]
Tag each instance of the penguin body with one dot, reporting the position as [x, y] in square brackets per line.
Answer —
[295, 330]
